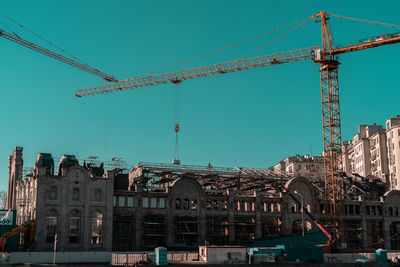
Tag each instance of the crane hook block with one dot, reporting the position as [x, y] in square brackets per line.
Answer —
[177, 127]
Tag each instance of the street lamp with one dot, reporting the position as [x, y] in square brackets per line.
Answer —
[302, 214]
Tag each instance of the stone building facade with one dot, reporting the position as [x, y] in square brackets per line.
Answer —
[182, 206]
[73, 205]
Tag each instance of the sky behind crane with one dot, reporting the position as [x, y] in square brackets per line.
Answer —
[252, 118]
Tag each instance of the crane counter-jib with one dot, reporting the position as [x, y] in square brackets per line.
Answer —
[383, 39]
[178, 76]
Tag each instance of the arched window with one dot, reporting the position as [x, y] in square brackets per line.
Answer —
[396, 211]
[74, 226]
[97, 225]
[294, 208]
[98, 195]
[75, 194]
[53, 193]
[390, 211]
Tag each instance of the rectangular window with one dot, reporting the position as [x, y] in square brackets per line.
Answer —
[153, 202]
[114, 201]
[51, 229]
[121, 201]
[73, 229]
[224, 205]
[130, 202]
[162, 203]
[145, 203]
[351, 209]
[379, 210]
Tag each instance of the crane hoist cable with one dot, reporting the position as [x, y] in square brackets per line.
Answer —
[390, 25]
[277, 38]
[226, 47]
[176, 160]
[68, 59]
[40, 37]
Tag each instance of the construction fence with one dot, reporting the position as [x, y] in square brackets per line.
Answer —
[132, 258]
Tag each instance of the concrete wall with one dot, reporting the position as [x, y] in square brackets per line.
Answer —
[219, 255]
[61, 257]
[351, 257]
[348, 257]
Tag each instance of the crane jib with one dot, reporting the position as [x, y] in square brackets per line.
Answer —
[221, 68]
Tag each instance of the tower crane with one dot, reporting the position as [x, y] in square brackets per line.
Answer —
[326, 57]
[80, 65]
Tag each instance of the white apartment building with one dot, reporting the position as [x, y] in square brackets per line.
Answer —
[393, 149]
[379, 158]
[357, 153]
[306, 166]
[375, 151]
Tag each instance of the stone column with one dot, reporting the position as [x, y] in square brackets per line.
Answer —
[386, 233]
[231, 216]
[202, 220]
[364, 226]
[139, 224]
[170, 220]
[285, 213]
[258, 209]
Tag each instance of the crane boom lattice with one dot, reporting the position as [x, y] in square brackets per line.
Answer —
[176, 77]
[47, 52]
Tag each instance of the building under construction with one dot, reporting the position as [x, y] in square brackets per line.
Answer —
[179, 206]
[184, 206]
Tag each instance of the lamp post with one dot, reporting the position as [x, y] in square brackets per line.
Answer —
[302, 214]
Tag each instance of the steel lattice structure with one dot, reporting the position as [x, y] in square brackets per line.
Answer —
[331, 128]
[179, 76]
[16, 39]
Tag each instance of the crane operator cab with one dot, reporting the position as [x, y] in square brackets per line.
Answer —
[316, 55]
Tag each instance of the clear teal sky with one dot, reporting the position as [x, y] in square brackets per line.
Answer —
[250, 119]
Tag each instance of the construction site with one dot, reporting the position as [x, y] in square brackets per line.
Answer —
[302, 209]
[182, 207]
